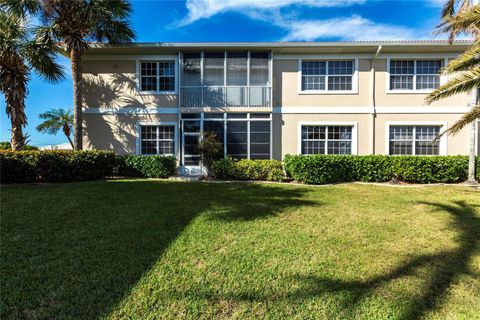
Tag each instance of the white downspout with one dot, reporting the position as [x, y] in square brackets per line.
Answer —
[372, 101]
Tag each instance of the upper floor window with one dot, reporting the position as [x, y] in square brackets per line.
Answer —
[157, 76]
[335, 75]
[415, 74]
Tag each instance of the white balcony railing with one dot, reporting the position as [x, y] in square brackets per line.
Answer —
[229, 96]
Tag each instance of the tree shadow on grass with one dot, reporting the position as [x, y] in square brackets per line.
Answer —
[74, 250]
[443, 269]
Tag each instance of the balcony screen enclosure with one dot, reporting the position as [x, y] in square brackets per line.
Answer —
[243, 135]
[225, 79]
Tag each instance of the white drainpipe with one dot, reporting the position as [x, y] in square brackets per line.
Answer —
[372, 101]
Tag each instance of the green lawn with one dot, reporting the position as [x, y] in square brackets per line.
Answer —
[163, 250]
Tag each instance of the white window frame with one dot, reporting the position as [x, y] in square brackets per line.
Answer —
[327, 59]
[443, 77]
[354, 126]
[443, 139]
[157, 59]
[138, 148]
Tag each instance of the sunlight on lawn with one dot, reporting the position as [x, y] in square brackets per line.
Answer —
[151, 249]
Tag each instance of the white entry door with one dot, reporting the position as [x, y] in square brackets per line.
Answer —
[191, 133]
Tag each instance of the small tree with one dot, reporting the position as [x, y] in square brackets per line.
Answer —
[55, 120]
[210, 149]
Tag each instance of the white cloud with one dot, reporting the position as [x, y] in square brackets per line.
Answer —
[349, 28]
[201, 9]
[355, 27]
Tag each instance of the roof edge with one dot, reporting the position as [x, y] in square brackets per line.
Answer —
[279, 44]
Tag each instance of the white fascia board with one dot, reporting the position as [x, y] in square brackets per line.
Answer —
[131, 111]
[122, 57]
[367, 110]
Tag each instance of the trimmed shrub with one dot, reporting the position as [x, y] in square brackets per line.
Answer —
[431, 169]
[55, 166]
[322, 169]
[146, 166]
[319, 169]
[373, 168]
[266, 170]
[17, 167]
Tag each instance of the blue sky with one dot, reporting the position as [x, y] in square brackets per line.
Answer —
[246, 20]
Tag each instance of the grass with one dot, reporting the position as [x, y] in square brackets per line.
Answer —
[166, 250]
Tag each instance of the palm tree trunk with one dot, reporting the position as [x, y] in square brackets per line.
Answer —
[71, 142]
[76, 60]
[66, 131]
[13, 85]
[17, 139]
[471, 155]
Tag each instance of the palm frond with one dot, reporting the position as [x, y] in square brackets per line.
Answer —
[109, 21]
[55, 120]
[21, 7]
[465, 21]
[467, 60]
[467, 118]
[41, 54]
[51, 126]
[463, 82]
[448, 9]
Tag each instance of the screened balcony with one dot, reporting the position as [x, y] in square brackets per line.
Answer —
[225, 79]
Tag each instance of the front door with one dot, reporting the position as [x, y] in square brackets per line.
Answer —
[191, 162]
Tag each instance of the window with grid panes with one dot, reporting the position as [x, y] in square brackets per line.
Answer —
[415, 74]
[157, 140]
[334, 75]
[414, 140]
[331, 139]
[157, 76]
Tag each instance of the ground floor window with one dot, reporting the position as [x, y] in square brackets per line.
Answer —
[414, 140]
[157, 139]
[243, 135]
[326, 139]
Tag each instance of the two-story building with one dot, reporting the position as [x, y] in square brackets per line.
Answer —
[268, 99]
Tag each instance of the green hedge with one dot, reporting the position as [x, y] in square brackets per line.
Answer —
[146, 166]
[229, 168]
[322, 169]
[55, 166]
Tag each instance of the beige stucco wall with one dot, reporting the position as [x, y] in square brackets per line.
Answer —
[456, 144]
[286, 88]
[385, 99]
[117, 132]
[286, 137]
[112, 84]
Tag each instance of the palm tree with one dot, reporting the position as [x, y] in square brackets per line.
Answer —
[464, 70]
[75, 23]
[22, 52]
[55, 120]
